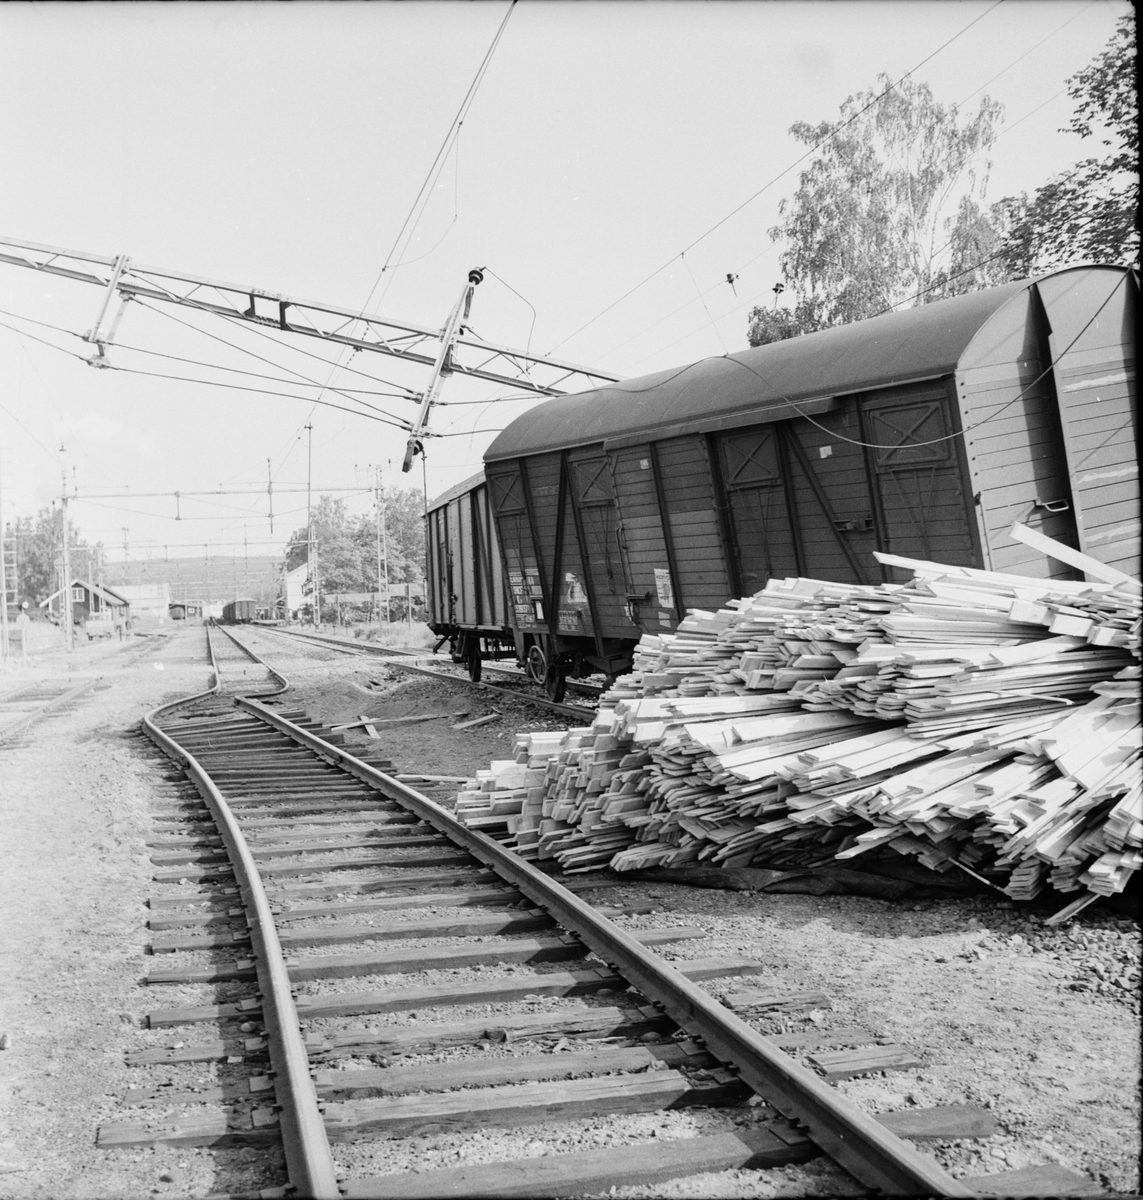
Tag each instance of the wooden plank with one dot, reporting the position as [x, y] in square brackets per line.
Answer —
[515, 987]
[1050, 1179]
[524, 1104]
[759, 998]
[475, 898]
[278, 850]
[573, 1021]
[210, 1129]
[477, 721]
[1091, 567]
[493, 1072]
[596, 1171]
[215, 1051]
[847, 1064]
[510, 988]
[332, 935]
[589, 1172]
[400, 962]
[947, 1121]
[199, 874]
[851, 1035]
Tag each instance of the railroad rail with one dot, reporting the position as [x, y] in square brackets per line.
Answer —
[309, 835]
[23, 706]
[400, 659]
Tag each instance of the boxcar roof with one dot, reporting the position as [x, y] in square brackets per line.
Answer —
[897, 347]
[458, 489]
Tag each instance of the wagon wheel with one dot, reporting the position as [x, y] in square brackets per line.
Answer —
[555, 684]
[536, 664]
[473, 659]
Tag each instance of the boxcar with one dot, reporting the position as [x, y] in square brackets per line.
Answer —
[925, 433]
[239, 611]
[467, 596]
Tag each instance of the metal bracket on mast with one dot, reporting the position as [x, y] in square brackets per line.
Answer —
[95, 334]
[442, 367]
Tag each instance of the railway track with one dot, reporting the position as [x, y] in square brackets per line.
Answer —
[24, 706]
[413, 661]
[375, 973]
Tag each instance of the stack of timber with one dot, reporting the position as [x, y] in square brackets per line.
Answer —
[976, 721]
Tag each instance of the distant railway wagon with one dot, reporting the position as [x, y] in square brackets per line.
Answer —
[467, 596]
[925, 433]
[239, 611]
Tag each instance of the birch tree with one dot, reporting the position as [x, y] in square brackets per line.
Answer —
[896, 185]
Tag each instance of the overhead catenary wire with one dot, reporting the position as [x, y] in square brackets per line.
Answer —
[280, 343]
[262, 358]
[195, 362]
[781, 175]
[369, 416]
[412, 219]
[768, 249]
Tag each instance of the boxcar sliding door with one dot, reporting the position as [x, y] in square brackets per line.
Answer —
[525, 583]
[595, 520]
[915, 462]
[758, 506]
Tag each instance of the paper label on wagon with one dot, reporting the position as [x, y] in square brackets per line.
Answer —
[571, 620]
[664, 588]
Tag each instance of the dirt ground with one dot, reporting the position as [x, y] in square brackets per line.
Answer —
[1040, 1025]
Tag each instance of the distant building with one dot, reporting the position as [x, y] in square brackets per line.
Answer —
[147, 599]
[184, 610]
[88, 600]
[295, 594]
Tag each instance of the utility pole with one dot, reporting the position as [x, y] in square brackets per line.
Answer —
[69, 625]
[5, 646]
[382, 549]
[311, 542]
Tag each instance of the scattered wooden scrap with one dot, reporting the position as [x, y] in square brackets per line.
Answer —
[368, 723]
[475, 721]
[431, 778]
[866, 1060]
[758, 999]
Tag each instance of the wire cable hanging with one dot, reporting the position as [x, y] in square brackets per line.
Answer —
[781, 175]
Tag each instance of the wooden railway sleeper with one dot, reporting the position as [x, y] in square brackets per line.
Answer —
[855, 1140]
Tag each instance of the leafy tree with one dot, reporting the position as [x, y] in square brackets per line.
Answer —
[1090, 213]
[39, 548]
[887, 210]
[347, 545]
[778, 323]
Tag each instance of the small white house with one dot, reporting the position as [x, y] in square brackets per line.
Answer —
[296, 596]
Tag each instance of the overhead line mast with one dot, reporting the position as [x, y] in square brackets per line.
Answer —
[460, 352]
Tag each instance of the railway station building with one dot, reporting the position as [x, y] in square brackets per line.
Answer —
[88, 600]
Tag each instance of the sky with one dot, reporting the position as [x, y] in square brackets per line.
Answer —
[617, 162]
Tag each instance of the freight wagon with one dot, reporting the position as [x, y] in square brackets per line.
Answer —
[237, 612]
[467, 597]
[924, 433]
